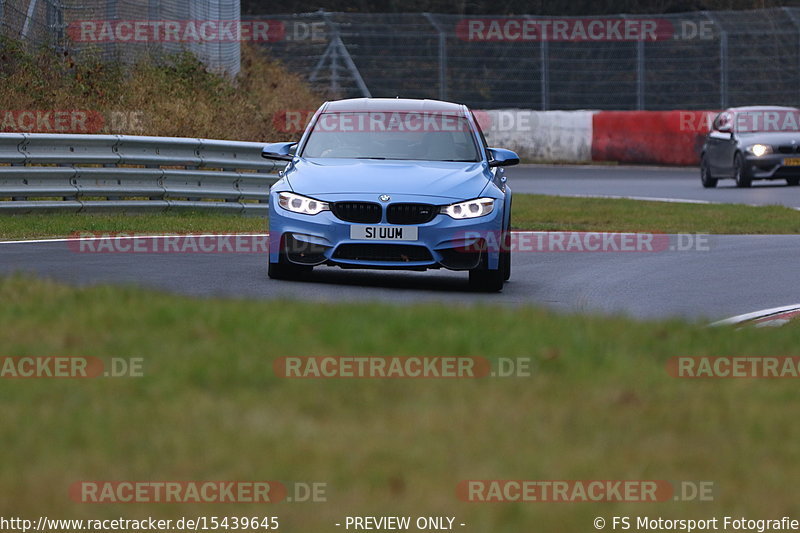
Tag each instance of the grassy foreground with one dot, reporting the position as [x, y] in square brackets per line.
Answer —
[531, 212]
[599, 405]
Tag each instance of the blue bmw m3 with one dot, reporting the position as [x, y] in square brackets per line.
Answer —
[401, 184]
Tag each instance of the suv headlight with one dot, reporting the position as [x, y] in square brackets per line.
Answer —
[301, 204]
[469, 209]
[759, 149]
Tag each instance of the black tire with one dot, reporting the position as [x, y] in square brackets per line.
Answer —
[482, 279]
[743, 179]
[505, 253]
[708, 181]
[505, 259]
[793, 182]
[283, 269]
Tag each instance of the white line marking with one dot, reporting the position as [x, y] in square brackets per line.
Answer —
[756, 314]
[659, 199]
[134, 236]
[640, 198]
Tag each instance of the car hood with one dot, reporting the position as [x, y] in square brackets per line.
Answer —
[773, 138]
[450, 180]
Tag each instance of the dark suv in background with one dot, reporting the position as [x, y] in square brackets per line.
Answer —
[752, 143]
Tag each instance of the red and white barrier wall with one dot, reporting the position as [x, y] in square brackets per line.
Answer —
[540, 135]
[644, 137]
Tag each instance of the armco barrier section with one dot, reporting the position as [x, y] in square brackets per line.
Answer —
[42, 172]
[90, 173]
[650, 137]
[540, 135]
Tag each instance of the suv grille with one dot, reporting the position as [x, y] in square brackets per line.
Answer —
[382, 252]
[363, 212]
[411, 213]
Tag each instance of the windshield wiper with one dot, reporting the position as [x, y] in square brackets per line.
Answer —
[379, 158]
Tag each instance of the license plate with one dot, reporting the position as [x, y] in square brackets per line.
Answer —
[384, 233]
[792, 161]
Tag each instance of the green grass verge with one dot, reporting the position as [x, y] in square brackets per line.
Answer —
[603, 214]
[62, 225]
[599, 405]
[531, 212]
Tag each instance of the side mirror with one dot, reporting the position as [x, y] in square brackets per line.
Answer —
[279, 151]
[502, 157]
[725, 128]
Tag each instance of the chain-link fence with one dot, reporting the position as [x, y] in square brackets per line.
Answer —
[699, 60]
[127, 30]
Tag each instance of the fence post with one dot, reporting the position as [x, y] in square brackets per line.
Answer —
[28, 18]
[545, 74]
[640, 74]
[55, 21]
[723, 58]
[793, 18]
[335, 71]
[723, 69]
[442, 56]
[335, 49]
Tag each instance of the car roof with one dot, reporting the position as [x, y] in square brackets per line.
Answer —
[392, 105]
[762, 108]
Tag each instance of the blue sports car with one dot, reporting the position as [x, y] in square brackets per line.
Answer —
[400, 184]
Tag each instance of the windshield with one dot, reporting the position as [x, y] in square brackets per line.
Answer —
[375, 135]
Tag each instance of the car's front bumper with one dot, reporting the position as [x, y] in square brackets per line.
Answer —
[772, 166]
[441, 243]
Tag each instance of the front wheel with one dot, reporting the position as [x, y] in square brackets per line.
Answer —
[482, 279]
[708, 181]
[743, 179]
[505, 255]
[284, 269]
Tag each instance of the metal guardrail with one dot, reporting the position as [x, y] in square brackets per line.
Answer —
[42, 172]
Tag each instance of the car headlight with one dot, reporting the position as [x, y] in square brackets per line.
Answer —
[301, 204]
[469, 209]
[759, 149]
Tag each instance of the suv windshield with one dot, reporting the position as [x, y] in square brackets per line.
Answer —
[375, 135]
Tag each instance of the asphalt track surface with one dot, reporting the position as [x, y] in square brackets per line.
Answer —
[663, 183]
[728, 275]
